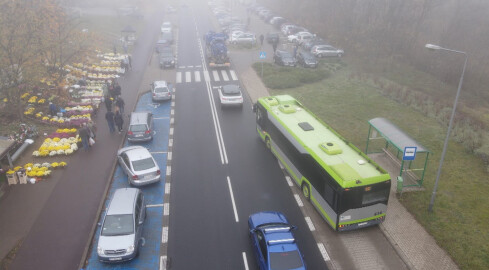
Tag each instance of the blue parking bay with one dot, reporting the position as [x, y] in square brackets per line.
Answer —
[149, 253]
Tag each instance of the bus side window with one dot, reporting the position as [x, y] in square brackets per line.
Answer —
[329, 195]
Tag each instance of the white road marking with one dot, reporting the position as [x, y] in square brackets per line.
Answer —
[188, 77]
[197, 76]
[171, 131]
[163, 263]
[160, 118]
[166, 209]
[323, 251]
[198, 66]
[245, 261]
[179, 77]
[173, 102]
[164, 235]
[181, 67]
[224, 75]
[289, 181]
[298, 199]
[215, 75]
[154, 205]
[168, 170]
[159, 152]
[170, 142]
[190, 66]
[232, 200]
[169, 156]
[309, 223]
[167, 188]
[206, 76]
[172, 120]
[233, 75]
[172, 112]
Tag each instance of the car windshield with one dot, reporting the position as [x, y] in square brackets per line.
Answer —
[118, 225]
[231, 90]
[137, 128]
[285, 260]
[143, 164]
[161, 90]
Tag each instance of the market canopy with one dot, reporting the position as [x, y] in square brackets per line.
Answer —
[5, 147]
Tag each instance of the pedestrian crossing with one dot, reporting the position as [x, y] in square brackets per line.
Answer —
[214, 75]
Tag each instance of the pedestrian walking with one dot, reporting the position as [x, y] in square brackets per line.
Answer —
[274, 45]
[119, 121]
[261, 39]
[108, 103]
[129, 59]
[92, 128]
[109, 116]
[295, 49]
[117, 90]
[83, 132]
[120, 104]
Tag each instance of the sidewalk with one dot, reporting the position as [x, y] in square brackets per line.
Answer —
[411, 241]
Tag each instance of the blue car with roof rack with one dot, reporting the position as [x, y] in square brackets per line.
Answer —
[273, 242]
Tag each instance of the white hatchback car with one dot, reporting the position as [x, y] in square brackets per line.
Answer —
[230, 95]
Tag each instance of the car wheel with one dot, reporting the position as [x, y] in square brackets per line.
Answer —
[320, 55]
[306, 191]
[340, 55]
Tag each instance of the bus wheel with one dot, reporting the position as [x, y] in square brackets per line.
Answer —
[268, 143]
[306, 191]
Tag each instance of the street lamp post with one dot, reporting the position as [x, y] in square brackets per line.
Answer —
[436, 47]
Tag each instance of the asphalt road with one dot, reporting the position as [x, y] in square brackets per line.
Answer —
[208, 173]
[58, 237]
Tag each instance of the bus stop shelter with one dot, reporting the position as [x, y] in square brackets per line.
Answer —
[383, 136]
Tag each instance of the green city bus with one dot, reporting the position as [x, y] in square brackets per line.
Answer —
[348, 188]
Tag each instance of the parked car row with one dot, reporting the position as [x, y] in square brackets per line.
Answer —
[300, 36]
[164, 46]
[122, 226]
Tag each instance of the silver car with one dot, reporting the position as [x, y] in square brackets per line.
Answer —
[230, 95]
[122, 227]
[139, 165]
[161, 90]
[326, 50]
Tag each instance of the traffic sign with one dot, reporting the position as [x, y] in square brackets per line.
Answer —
[409, 153]
[263, 55]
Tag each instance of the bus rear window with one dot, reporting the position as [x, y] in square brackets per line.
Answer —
[372, 197]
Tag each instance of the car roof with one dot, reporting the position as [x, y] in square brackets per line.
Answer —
[160, 83]
[123, 201]
[138, 153]
[139, 117]
[231, 88]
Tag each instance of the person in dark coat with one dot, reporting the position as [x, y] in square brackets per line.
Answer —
[109, 116]
[119, 102]
[261, 39]
[274, 45]
[52, 109]
[108, 103]
[117, 90]
[119, 121]
[84, 134]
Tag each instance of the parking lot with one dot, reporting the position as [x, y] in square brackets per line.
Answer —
[154, 194]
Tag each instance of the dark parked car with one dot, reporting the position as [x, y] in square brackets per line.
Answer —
[307, 45]
[273, 37]
[284, 58]
[307, 59]
[167, 59]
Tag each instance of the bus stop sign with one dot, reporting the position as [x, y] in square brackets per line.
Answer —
[409, 153]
